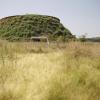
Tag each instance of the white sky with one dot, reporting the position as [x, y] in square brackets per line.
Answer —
[79, 16]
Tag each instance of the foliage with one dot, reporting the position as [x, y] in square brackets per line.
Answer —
[93, 39]
[25, 26]
[83, 38]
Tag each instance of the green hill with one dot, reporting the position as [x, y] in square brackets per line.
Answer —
[24, 26]
[93, 39]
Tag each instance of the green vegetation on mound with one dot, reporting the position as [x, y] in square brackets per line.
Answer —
[24, 26]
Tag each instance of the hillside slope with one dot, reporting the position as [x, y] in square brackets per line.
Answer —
[25, 26]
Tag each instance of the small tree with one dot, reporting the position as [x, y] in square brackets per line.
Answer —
[83, 37]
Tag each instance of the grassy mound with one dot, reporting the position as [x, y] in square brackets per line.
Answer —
[24, 26]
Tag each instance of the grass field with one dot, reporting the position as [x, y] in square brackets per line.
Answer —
[68, 71]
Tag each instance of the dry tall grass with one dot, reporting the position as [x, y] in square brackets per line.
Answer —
[69, 71]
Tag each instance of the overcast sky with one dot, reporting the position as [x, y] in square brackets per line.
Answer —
[79, 16]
